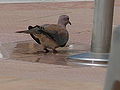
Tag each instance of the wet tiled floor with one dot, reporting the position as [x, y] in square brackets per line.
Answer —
[31, 51]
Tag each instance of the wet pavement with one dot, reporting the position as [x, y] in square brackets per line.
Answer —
[33, 52]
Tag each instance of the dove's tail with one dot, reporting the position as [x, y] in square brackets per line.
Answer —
[26, 31]
[29, 32]
[34, 30]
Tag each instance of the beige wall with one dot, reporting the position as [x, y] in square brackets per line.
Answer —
[117, 2]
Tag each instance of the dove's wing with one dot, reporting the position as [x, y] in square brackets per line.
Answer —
[52, 31]
[35, 38]
[57, 33]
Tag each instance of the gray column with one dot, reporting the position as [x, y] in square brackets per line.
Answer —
[113, 74]
[101, 34]
[102, 29]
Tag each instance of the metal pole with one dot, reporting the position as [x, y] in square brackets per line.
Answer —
[113, 75]
[101, 34]
[102, 30]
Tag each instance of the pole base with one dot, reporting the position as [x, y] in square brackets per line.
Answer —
[90, 59]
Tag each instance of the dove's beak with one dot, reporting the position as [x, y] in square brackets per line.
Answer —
[69, 23]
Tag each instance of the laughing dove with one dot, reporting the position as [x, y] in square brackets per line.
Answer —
[50, 36]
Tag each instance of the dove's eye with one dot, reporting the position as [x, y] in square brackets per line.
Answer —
[67, 18]
[30, 27]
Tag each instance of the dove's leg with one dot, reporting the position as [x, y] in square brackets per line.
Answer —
[46, 50]
[55, 51]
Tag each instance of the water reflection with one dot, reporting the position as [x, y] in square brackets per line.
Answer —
[30, 51]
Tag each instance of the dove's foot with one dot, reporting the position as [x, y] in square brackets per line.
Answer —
[46, 50]
[55, 51]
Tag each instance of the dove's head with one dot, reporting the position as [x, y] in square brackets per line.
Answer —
[64, 20]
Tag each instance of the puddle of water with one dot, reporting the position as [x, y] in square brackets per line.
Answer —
[32, 52]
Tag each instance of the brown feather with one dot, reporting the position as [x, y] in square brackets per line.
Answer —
[23, 32]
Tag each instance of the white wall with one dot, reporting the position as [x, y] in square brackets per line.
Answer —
[17, 1]
[114, 64]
